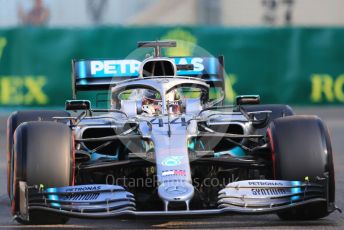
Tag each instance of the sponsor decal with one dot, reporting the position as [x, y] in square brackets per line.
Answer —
[268, 191]
[196, 62]
[114, 68]
[176, 190]
[23, 90]
[172, 161]
[173, 173]
[327, 88]
[77, 197]
[265, 183]
[84, 189]
[130, 68]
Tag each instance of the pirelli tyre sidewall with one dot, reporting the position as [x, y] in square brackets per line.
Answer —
[17, 118]
[43, 155]
[301, 148]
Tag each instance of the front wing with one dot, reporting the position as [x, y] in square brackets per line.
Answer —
[106, 201]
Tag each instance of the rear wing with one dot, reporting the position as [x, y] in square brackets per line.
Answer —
[90, 75]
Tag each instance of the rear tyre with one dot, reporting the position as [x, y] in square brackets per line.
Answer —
[18, 117]
[43, 154]
[301, 148]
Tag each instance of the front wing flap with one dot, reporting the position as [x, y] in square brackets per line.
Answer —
[97, 200]
[253, 194]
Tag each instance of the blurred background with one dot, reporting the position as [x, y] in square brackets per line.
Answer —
[288, 51]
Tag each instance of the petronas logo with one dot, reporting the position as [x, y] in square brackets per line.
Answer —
[186, 42]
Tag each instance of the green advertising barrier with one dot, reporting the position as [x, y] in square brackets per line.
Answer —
[303, 66]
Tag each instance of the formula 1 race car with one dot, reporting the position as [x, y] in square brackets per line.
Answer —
[166, 146]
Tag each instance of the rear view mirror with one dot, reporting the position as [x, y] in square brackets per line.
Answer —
[248, 100]
[78, 105]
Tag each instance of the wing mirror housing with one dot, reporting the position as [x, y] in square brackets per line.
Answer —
[78, 105]
[247, 100]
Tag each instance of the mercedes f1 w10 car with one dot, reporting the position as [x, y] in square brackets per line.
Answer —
[166, 146]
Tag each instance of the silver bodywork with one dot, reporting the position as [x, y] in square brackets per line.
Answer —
[170, 136]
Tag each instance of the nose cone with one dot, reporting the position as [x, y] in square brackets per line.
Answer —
[176, 191]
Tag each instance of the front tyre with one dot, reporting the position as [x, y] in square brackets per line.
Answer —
[43, 155]
[301, 148]
[19, 117]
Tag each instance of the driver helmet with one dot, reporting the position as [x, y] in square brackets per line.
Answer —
[151, 102]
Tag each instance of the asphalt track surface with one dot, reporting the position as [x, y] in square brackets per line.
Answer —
[334, 117]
